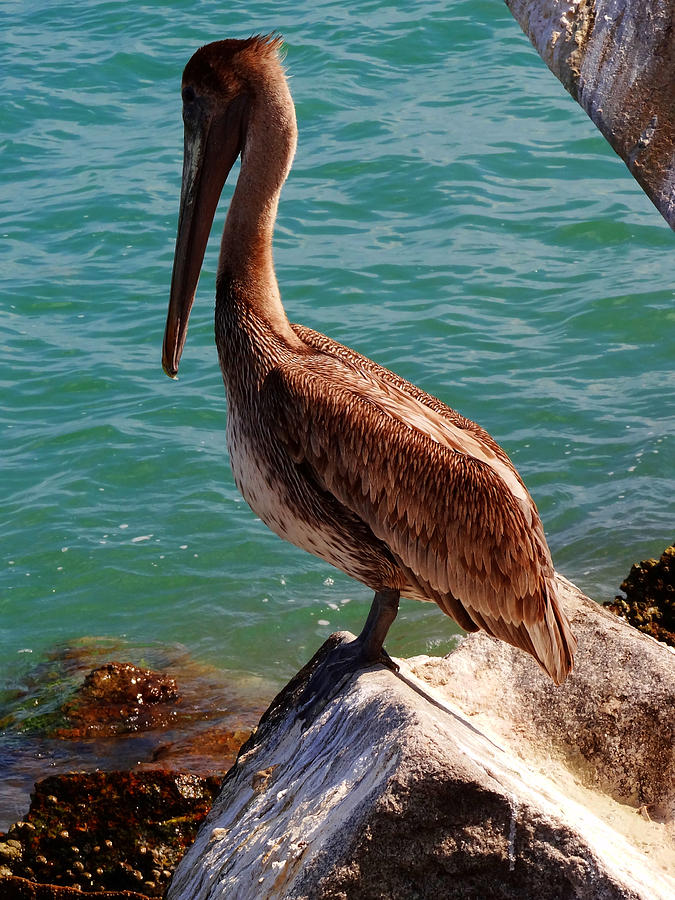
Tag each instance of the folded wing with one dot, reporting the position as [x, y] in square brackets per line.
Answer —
[447, 502]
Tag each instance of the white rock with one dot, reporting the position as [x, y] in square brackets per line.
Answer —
[471, 776]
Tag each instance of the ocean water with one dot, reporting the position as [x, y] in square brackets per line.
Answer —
[451, 213]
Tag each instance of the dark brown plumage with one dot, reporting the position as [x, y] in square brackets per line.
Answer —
[335, 453]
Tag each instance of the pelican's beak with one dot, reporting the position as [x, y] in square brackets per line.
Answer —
[212, 144]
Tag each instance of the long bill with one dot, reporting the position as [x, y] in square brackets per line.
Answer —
[212, 144]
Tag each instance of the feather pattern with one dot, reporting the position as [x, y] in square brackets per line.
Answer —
[442, 495]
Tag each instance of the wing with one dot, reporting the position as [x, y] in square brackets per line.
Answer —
[323, 344]
[448, 506]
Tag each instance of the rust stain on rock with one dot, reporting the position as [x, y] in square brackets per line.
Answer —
[578, 23]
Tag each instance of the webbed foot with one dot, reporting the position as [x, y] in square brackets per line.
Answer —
[350, 657]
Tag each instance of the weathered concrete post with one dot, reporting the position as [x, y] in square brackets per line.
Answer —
[617, 59]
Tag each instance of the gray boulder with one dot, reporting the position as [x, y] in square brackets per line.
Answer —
[471, 776]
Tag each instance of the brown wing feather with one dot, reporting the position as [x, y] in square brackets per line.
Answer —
[471, 538]
[323, 344]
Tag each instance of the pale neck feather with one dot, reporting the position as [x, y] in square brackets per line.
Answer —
[246, 248]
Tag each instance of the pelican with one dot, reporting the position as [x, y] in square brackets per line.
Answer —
[333, 452]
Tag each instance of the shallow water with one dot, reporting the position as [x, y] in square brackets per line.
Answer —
[451, 213]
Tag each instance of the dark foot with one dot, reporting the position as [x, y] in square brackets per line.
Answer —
[343, 662]
[349, 657]
[387, 661]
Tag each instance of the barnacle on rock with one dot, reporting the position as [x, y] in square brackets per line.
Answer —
[649, 604]
[151, 814]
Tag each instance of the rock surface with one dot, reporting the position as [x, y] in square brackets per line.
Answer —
[649, 604]
[23, 889]
[470, 776]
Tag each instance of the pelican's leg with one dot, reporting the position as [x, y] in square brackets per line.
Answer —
[382, 613]
[347, 658]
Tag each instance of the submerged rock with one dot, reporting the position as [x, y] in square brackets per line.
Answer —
[471, 776]
[206, 752]
[161, 708]
[649, 604]
[119, 698]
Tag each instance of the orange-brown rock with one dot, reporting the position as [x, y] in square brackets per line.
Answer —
[116, 831]
[117, 698]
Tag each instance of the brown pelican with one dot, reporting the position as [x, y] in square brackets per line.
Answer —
[333, 452]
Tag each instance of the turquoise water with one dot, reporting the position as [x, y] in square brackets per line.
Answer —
[451, 213]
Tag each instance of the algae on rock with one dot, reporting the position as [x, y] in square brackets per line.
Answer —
[649, 604]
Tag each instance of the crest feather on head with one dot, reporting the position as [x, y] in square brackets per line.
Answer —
[214, 64]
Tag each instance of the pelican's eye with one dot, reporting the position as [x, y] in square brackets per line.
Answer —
[191, 106]
[188, 94]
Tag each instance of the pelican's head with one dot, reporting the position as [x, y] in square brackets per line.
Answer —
[218, 83]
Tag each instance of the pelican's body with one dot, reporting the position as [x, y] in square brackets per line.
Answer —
[333, 452]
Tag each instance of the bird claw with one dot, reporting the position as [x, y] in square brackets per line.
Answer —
[344, 661]
[387, 661]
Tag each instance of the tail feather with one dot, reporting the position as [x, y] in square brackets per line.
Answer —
[548, 638]
[553, 640]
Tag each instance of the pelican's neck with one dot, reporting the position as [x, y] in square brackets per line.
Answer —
[246, 248]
